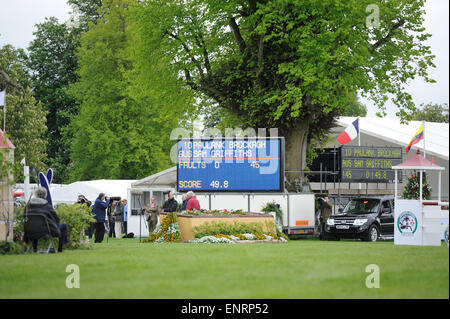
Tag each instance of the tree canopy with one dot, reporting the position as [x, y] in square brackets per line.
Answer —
[25, 117]
[290, 64]
[431, 112]
[128, 107]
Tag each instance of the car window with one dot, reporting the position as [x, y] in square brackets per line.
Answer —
[386, 204]
[362, 206]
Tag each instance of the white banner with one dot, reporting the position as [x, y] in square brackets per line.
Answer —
[407, 222]
[2, 98]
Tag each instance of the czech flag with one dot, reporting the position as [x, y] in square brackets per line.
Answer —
[350, 133]
[417, 137]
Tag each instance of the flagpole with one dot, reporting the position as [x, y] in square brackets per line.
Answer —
[423, 132]
[359, 143]
[4, 113]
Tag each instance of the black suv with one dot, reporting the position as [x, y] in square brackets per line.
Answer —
[364, 218]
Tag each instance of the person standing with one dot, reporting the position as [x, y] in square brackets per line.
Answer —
[185, 200]
[99, 211]
[83, 200]
[193, 202]
[125, 219]
[325, 213]
[118, 213]
[171, 204]
[111, 220]
[152, 213]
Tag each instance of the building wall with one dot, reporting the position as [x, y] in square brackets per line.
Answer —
[6, 200]
[367, 140]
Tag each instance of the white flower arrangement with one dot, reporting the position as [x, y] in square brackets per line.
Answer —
[211, 240]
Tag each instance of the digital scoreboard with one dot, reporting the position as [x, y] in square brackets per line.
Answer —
[370, 164]
[230, 165]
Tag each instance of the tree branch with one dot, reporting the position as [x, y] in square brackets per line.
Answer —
[197, 64]
[382, 41]
[237, 34]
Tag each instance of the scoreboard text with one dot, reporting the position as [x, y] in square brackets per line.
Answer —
[224, 165]
[370, 164]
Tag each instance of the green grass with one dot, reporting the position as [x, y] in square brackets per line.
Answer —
[303, 268]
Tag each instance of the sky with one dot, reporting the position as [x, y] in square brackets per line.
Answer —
[18, 17]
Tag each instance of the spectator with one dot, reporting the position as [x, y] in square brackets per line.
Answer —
[185, 200]
[111, 220]
[125, 219]
[83, 200]
[171, 204]
[39, 204]
[118, 213]
[99, 211]
[193, 202]
[152, 212]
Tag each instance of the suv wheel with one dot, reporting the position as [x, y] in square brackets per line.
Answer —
[373, 234]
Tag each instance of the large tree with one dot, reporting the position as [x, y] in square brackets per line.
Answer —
[25, 117]
[291, 64]
[128, 105]
[52, 62]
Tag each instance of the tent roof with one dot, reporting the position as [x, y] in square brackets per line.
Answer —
[418, 162]
[390, 129]
[166, 178]
[90, 189]
[8, 143]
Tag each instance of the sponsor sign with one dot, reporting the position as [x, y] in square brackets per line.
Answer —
[407, 222]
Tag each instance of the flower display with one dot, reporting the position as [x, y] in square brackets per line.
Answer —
[231, 239]
[412, 188]
[167, 232]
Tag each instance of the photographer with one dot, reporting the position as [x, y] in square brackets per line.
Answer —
[99, 212]
[83, 200]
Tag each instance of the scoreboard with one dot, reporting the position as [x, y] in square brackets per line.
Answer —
[230, 165]
[370, 164]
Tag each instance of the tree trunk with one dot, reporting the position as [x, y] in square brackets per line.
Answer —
[295, 156]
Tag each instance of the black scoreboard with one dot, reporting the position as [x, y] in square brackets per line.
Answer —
[370, 164]
[366, 164]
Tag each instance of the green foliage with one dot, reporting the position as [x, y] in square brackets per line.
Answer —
[412, 188]
[431, 112]
[290, 64]
[77, 217]
[52, 62]
[220, 227]
[12, 248]
[273, 207]
[19, 222]
[25, 117]
[128, 102]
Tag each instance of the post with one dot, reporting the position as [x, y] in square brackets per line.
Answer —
[4, 113]
[439, 187]
[420, 186]
[359, 144]
[395, 185]
[424, 149]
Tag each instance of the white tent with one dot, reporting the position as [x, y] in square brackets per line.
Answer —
[90, 189]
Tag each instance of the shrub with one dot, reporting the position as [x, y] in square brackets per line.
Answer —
[12, 248]
[273, 207]
[77, 217]
[168, 231]
[220, 227]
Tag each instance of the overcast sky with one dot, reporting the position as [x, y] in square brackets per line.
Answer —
[18, 17]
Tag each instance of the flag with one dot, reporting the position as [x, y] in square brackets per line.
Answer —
[2, 98]
[350, 133]
[416, 138]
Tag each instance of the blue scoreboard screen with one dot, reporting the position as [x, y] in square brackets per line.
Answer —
[230, 165]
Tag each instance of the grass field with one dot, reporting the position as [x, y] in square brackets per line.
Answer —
[305, 268]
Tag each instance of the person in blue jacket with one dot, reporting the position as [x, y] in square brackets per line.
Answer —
[99, 212]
